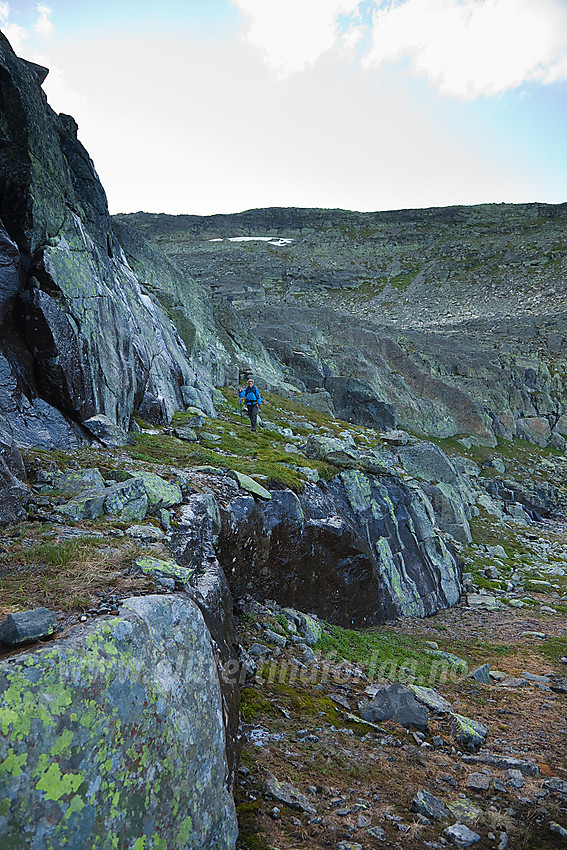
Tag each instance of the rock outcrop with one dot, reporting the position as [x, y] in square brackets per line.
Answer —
[87, 328]
[361, 549]
[444, 321]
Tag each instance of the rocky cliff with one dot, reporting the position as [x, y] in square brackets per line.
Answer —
[86, 326]
[444, 321]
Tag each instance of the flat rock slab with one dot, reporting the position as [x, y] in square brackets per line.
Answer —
[431, 698]
[461, 835]
[27, 626]
[478, 781]
[77, 481]
[158, 568]
[528, 768]
[464, 810]
[396, 702]
[247, 483]
[285, 793]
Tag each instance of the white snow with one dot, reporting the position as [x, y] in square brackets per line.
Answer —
[271, 240]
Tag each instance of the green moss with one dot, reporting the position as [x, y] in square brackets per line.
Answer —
[253, 705]
[554, 648]
[396, 657]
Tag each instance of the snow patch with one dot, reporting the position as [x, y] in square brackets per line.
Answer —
[271, 240]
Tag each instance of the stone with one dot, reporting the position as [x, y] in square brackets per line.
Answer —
[461, 835]
[28, 626]
[478, 781]
[431, 698]
[185, 433]
[77, 481]
[140, 687]
[478, 600]
[469, 733]
[558, 829]
[107, 431]
[481, 674]
[376, 832]
[464, 810]
[535, 429]
[429, 806]
[258, 650]
[247, 483]
[145, 533]
[528, 768]
[333, 450]
[396, 702]
[515, 778]
[273, 637]
[285, 793]
[557, 786]
[160, 493]
[156, 567]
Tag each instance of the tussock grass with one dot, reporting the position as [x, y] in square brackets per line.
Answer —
[65, 574]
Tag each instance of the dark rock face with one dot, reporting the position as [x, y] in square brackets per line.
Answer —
[12, 488]
[357, 402]
[86, 329]
[27, 626]
[358, 551]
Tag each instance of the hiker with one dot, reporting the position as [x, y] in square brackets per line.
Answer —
[252, 399]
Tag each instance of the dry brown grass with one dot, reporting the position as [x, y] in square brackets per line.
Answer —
[64, 575]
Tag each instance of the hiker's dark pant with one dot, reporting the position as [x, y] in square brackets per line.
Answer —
[253, 414]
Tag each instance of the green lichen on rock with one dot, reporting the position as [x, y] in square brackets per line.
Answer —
[247, 483]
[162, 569]
[113, 729]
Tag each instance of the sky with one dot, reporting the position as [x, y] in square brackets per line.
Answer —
[217, 106]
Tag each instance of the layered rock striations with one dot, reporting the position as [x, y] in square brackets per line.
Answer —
[361, 549]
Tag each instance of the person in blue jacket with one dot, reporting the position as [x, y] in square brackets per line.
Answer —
[252, 400]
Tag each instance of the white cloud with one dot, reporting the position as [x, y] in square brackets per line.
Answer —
[43, 26]
[293, 34]
[474, 47]
[61, 96]
[15, 34]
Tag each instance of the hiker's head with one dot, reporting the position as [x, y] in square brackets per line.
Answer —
[250, 382]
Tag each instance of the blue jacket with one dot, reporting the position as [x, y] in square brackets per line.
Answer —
[251, 395]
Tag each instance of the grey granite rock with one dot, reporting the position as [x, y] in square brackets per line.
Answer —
[28, 626]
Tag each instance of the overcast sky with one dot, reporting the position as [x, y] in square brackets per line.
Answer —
[205, 106]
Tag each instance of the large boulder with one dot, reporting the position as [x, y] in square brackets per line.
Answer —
[117, 730]
[362, 549]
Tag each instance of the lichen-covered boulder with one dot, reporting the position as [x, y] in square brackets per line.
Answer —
[116, 733]
[469, 733]
[341, 453]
